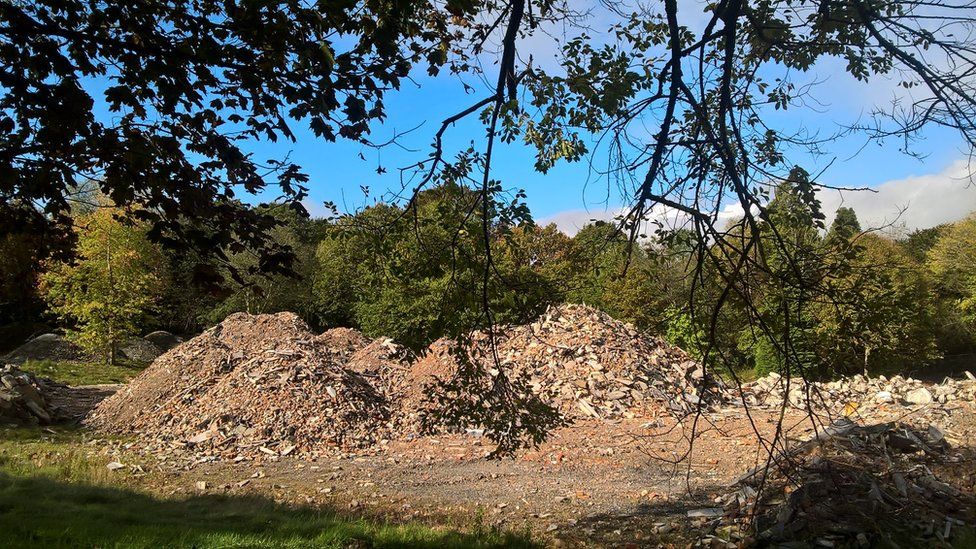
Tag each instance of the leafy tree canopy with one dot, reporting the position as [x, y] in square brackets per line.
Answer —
[953, 262]
[185, 84]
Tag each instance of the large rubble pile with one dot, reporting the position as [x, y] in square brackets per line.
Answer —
[252, 385]
[860, 394]
[384, 362]
[24, 398]
[342, 342]
[264, 384]
[854, 485]
[580, 361]
[589, 364]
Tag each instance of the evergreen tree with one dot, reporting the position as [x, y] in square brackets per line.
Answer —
[845, 226]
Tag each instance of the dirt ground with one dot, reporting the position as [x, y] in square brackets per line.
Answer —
[621, 483]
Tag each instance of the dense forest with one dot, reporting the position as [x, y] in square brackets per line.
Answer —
[871, 301]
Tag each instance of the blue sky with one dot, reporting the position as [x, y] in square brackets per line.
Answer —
[336, 171]
[570, 191]
[570, 195]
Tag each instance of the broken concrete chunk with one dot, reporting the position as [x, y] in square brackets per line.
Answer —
[919, 396]
[707, 512]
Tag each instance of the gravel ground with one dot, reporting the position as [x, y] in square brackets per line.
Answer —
[595, 483]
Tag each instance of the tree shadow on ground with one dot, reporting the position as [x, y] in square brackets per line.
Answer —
[662, 523]
[39, 511]
[837, 510]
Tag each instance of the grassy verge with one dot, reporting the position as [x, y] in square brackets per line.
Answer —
[55, 492]
[82, 373]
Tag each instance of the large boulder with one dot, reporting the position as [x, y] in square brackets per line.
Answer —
[163, 339]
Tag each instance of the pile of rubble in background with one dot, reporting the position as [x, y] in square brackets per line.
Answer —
[342, 342]
[860, 394]
[46, 347]
[24, 398]
[855, 485]
[581, 362]
[384, 363]
[588, 364]
[266, 385]
[252, 385]
[141, 350]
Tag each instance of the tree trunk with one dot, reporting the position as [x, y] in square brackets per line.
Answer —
[111, 291]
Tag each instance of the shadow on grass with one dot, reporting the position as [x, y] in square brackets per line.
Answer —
[37, 511]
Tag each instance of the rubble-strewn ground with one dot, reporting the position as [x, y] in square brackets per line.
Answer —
[260, 406]
[597, 483]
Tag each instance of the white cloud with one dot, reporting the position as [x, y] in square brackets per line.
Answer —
[571, 221]
[316, 209]
[915, 202]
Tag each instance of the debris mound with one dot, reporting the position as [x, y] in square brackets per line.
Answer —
[581, 362]
[417, 403]
[24, 398]
[589, 364]
[46, 347]
[383, 362]
[252, 385]
[342, 342]
[163, 339]
[855, 485]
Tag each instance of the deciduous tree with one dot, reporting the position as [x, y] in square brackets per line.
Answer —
[114, 281]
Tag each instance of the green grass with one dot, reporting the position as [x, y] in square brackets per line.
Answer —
[56, 492]
[82, 373]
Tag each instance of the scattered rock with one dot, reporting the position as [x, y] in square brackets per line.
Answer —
[864, 396]
[25, 399]
[708, 512]
[850, 487]
[919, 396]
